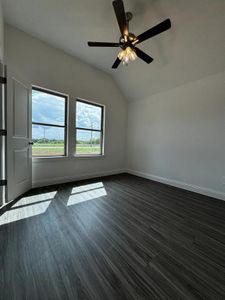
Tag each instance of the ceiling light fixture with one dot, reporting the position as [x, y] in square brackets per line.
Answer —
[128, 41]
[127, 55]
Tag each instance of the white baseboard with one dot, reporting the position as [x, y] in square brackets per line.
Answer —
[180, 184]
[176, 183]
[58, 180]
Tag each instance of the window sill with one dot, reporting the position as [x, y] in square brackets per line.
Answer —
[89, 156]
[65, 158]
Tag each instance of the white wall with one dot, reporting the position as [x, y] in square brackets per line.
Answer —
[1, 33]
[42, 65]
[178, 136]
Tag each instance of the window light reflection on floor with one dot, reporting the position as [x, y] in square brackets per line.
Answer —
[87, 187]
[86, 193]
[28, 207]
[35, 198]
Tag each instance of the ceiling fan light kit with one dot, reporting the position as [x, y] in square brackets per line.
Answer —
[128, 40]
[127, 55]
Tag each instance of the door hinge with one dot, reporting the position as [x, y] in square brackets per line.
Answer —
[3, 80]
[3, 132]
[3, 182]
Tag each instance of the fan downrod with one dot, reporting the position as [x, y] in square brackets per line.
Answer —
[131, 37]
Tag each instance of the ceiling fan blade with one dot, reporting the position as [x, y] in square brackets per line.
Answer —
[103, 44]
[116, 63]
[142, 55]
[121, 16]
[163, 26]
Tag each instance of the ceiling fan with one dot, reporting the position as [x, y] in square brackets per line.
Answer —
[128, 40]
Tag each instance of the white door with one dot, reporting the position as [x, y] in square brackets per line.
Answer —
[19, 150]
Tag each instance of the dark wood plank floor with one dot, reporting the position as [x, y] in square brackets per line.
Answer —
[118, 237]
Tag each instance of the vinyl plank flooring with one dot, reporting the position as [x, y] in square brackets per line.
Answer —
[117, 237]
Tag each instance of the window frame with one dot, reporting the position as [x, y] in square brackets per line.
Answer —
[65, 126]
[101, 130]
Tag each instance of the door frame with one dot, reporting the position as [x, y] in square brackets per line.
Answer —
[3, 152]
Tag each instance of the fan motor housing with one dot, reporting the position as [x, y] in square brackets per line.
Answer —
[132, 37]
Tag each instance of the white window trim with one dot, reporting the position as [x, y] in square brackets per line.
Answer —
[102, 155]
[66, 137]
[71, 131]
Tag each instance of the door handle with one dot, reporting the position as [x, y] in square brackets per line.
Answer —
[31, 143]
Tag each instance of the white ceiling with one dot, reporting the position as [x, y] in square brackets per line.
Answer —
[192, 49]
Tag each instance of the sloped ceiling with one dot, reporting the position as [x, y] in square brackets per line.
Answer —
[192, 49]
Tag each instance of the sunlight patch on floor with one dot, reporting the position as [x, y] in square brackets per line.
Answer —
[27, 207]
[86, 193]
[35, 198]
[24, 212]
[87, 187]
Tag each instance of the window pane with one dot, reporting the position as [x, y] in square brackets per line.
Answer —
[88, 116]
[88, 142]
[48, 141]
[48, 108]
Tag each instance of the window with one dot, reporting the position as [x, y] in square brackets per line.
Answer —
[89, 128]
[49, 118]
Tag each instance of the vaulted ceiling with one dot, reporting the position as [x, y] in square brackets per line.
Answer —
[192, 49]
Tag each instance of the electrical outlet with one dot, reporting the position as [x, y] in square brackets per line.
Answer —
[223, 180]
